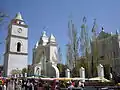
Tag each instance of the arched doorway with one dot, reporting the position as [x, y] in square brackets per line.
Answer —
[52, 71]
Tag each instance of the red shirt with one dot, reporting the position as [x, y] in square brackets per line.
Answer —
[73, 83]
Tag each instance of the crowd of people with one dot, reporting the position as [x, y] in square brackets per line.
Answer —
[39, 84]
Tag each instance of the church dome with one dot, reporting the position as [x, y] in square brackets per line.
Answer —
[44, 34]
[36, 45]
[19, 20]
[18, 16]
[52, 38]
[43, 38]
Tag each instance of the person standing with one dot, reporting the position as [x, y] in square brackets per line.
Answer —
[79, 84]
[82, 84]
[4, 87]
[57, 86]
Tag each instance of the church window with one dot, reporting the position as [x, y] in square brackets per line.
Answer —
[18, 47]
[19, 22]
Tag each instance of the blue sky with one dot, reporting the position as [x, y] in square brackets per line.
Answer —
[54, 14]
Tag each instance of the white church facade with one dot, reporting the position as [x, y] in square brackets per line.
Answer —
[45, 56]
[45, 52]
[16, 53]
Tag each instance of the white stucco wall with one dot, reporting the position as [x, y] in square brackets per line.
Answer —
[24, 32]
[45, 41]
[16, 61]
[13, 44]
[53, 54]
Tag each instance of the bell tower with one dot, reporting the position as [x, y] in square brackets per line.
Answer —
[16, 51]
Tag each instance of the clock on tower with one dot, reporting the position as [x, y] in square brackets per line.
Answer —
[19, 30]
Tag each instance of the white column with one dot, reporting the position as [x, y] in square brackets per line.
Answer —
[25, 74]
[39, 70]
[34, 70]
[82, 74]
[15, 76]
[21, 75]
[18, 75]
[111, 76]
[100, 70]
[68, 73]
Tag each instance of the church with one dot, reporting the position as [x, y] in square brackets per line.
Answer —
[45, 56]
[45, 52]
[16, 49]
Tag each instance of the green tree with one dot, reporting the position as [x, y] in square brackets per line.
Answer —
[84, 39]
[72, 46]
[62, 69]
[94, 47]
[24, 70]
[82, 62]
[30, 72]
[16, 71]
[69, 62]
[85, 42]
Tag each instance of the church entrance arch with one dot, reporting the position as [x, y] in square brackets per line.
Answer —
[56, 71]
[52, 71]
[37, 70]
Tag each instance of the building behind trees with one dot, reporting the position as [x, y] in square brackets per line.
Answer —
[108, 49]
